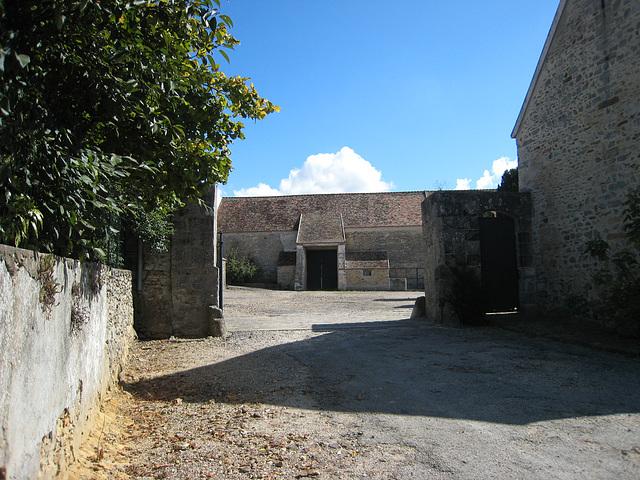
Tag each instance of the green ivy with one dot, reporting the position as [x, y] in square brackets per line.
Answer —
[153, 227]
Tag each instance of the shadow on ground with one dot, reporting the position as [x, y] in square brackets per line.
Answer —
[414, 369]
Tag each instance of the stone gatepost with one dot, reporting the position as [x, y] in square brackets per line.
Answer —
[178, 290]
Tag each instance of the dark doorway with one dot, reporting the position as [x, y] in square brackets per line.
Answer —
[499, 263]
[322, 269]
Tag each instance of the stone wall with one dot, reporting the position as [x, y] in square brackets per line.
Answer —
[264, 248]
[451, 225]
[179, 286]
[404, 247]
[377, 279]
[578, 139]
[65, 330]
[286, 277]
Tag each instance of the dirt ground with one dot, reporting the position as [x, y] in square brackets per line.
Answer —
[333, 385]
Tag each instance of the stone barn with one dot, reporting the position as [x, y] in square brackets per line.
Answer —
[349, 241]
[578, 138]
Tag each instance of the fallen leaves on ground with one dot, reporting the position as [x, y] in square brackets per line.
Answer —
[158, 429]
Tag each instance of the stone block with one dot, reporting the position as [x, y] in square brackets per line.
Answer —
[398, 284]
[217, 326]
[419, 309]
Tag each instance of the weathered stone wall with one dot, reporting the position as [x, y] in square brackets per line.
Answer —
[179, 286]
[264, 248]
[404, 247]
[451, 226]
[65, 330]
[578, 140]
[286, 277]
[152, 295]
[377, 280]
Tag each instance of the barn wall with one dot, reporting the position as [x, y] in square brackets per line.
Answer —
[403, 245]
[578, 140]
[263, 247]
[378, 280]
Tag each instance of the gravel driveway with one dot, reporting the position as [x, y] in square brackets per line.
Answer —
[344, 385]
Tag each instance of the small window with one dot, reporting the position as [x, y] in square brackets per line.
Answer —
[366, 273]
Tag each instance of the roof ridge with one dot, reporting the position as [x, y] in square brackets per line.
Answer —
[423, 192]
[365, 209]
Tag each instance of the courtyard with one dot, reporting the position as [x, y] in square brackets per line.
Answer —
[345, 385]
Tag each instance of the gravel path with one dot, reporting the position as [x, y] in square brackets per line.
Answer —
[335, 385]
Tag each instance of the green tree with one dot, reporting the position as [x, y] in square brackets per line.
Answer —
[110, 108]
[509, 182]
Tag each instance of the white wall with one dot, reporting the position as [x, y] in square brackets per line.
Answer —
[56, 361]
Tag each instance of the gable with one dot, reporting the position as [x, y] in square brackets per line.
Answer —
[321, 227]
[282, 213]
[540, 65]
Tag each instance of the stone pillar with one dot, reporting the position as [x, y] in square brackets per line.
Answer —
[342, 272]
[301, 269]
[451, 231]
[180, 286]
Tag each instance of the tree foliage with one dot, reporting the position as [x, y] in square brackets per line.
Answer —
[109, 107]
[509, 182]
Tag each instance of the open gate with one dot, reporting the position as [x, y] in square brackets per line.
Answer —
[499, 263]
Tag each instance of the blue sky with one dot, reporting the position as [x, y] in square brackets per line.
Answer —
[375, 96]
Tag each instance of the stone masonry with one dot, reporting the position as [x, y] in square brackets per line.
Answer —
[65, 331]
[179, 286]
[450, 222]
[578, 138]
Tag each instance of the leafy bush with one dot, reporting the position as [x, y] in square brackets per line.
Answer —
[240, 269]
[153, 227]
[109, 107]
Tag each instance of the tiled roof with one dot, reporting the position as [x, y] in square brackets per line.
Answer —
[321, 227]
[282, 213]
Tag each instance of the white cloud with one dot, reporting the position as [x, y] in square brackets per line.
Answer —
[219, 194]
[490, 179]
[463, 184]
[262, 190]
[486, 182]
[341, 172]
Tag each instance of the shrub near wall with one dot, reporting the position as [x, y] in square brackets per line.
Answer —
[65, 329]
